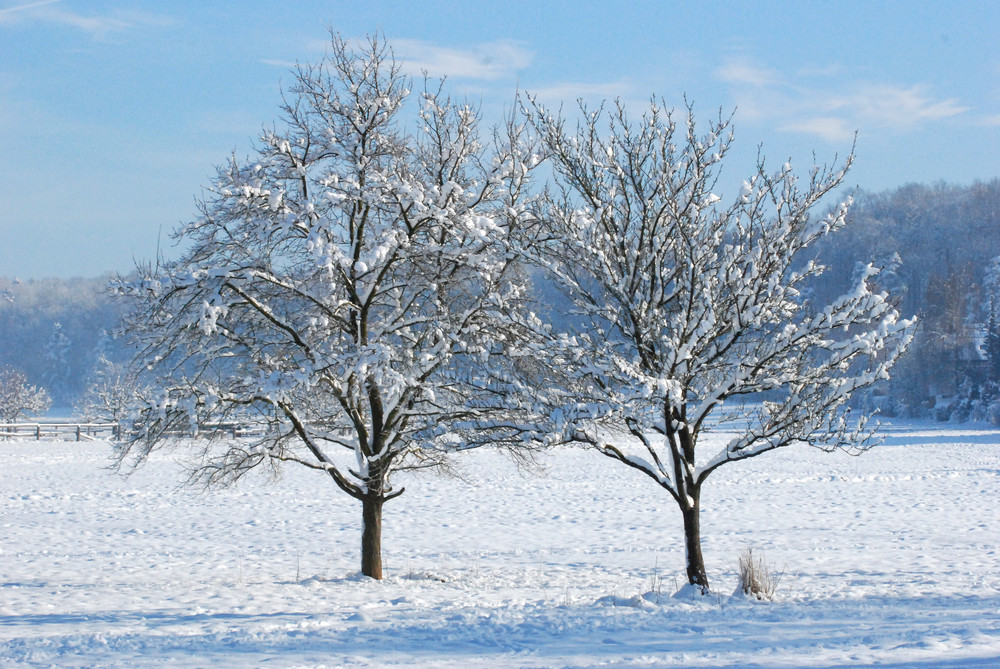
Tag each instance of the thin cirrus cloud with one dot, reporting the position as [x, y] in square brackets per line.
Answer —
[743, 73]
[24, 10]
[871, 107]
[491, 61]
[51, 11]
[283, 64]
[488, 61]
[820, 109]
[829, 128]
[889, 106]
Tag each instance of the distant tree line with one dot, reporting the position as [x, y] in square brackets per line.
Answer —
[939, 244]
[54, 331]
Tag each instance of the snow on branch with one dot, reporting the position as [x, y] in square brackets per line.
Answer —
[348, 288]
[683, 303]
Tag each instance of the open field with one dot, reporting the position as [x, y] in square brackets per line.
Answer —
[891, 558]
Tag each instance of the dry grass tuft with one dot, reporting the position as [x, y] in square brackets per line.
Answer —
[757, 578]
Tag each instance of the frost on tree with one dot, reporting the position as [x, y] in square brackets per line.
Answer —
[344, 290]
[109, 394]
[685, 308]
[18, 398]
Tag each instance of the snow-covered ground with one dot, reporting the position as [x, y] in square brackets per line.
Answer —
[891, 558]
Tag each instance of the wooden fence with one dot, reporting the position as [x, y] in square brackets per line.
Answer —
[95, 431]
[63, 431]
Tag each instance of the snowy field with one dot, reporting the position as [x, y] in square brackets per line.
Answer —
[889, 559]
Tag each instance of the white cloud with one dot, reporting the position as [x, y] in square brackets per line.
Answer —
[830, 128]
[814, 101]
[894, 106]
[741, 72]
[283, 64]
[8, 14]
[822, 71]
[50, 11]
[492, 60]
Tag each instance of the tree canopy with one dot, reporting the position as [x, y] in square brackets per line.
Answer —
[690, 315]
[345, 289]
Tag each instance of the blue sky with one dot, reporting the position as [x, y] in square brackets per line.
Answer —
[113, 113]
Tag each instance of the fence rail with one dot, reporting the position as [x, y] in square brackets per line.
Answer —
[64, 431]
[94, 431]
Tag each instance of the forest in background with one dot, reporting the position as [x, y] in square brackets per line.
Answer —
[55, 331]
[940, 245]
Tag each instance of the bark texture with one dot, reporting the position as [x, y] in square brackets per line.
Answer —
[696, 572]
[371, 536]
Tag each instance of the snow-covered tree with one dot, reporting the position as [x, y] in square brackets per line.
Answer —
[689, 314]
[110, 393]
[991, 305]
[18, 398]
[57, 358]
[345, 289]
[992, 346]
[49, 329]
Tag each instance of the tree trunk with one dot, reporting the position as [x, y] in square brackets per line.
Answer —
[371, 535]
[692, 541]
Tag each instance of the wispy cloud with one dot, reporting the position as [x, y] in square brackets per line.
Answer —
[11, 13]
[889, 106]
[829, 128]
[489, 61]
[817, 102]
[283, 64]
[99, 26]
[735, 71]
